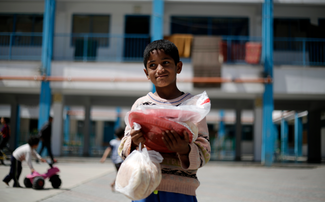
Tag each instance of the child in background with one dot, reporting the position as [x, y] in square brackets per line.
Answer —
[113, 147]
[22, 153]
[179, 181]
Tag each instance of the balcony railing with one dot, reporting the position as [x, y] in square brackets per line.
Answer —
[130, 47]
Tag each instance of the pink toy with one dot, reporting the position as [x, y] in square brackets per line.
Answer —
[36, 180]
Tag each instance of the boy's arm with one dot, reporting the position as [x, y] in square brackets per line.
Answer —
[200, 150]
[105, 155]
[125, 146]
[28, 158]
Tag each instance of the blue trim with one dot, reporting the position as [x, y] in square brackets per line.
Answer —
[67, 125]
[118, 118]
[17, 127]
[157, 20]
[284, 137]
[187, 94]
[222, 129]
[47, 50]
[268, 106]
[298, 135]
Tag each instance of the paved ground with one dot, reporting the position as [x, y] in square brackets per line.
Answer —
[86, 180]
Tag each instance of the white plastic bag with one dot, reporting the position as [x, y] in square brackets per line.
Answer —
[193, 110]
[140, 174]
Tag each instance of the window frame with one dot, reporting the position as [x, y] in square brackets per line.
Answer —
[72, 43]
[17, 35]
[210, 19]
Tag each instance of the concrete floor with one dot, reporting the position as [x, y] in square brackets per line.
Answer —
[87, 180]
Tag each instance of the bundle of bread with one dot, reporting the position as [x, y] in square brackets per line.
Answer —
[140, 174]
[155, 119]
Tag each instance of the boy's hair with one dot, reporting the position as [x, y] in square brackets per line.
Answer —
[169, 48]
[119, 132]
[33, 141]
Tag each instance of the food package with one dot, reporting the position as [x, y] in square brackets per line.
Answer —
[140, 174]
[154, 119]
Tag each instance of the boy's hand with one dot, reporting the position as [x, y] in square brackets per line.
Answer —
[102, 160]
[43, 160]
[175, 143]
[32, 170]
[137, 137]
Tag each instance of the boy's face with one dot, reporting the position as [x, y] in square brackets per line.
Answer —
[161, 69]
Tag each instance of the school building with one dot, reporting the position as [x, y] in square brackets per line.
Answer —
[262, 63]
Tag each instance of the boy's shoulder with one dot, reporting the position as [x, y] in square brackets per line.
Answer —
[144, 100]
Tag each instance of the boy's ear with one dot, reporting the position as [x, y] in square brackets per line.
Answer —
[145, 71]
[179, 67]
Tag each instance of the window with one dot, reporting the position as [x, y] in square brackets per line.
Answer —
[18, 24]
[91, 28]
[210, 26]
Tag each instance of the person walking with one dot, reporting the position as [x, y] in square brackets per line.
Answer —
[45, 137]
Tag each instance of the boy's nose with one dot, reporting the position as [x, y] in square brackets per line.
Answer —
[160, 68]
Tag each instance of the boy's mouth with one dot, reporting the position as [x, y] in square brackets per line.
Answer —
[161, 76]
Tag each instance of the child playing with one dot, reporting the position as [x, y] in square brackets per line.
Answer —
[179, 181]
[24, 152]
[113, 146]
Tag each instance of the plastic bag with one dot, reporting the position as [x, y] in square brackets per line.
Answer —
[155, 119]
[193, 110]
[140, 174]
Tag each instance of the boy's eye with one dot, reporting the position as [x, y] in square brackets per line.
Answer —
[152, 65]
[166, 62]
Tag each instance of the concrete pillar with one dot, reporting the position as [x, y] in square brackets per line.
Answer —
[314, 136]
[238, 134]
[157, 23]
[298, 136]
[57, 125]
[284, 137]
[14, 125]
[47, 50]
[268, 105]
[99, 133]
[258, 116]
[86, 134]
[118, 118]
[66, 125]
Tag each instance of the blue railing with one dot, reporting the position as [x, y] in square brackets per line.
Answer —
[129, 47]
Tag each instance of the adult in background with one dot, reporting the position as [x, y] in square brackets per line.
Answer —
[45, 135]
[5, 133]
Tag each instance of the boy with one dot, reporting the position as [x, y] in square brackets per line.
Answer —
[113, 146]
[22, 153]
[179, 181]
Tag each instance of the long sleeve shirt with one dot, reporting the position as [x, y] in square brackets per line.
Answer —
[25, 153]
[176, 177]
